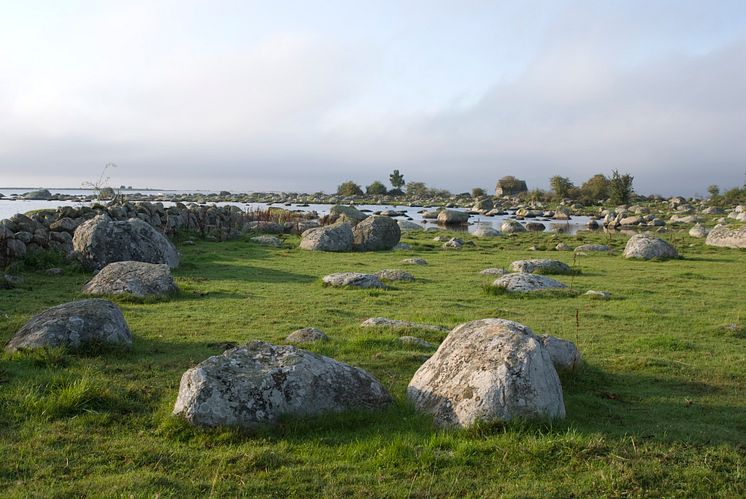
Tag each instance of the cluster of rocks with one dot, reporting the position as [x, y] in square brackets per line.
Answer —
[54, 229]
[366, 233]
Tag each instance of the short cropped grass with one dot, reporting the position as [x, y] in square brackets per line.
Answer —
[658, 408]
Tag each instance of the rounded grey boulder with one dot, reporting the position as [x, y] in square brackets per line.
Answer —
[72, 325]
[395, 275]
[522, 282]
[101, 241]
[137, 278]
[649, 247]
[487, 370]
[376, 233]
[336, 237]
[307, 335]
[541, 266]
[512, 227]
[453, 217]
[725, 237]
[260, 382]
[352, 279]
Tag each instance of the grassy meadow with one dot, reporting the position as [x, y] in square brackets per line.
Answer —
[658, 409]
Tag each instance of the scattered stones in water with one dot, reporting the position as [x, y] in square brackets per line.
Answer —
[541, 266]
[136, 278]
[488, 370]
[395, 275]
[260, 382]
[649, 247]
[397, 324]
[414, 261]
[523, 283]
[598, 295]
[353, 280]
[307, 335]
[73, 325]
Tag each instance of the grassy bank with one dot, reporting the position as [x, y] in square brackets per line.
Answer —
[658, 408]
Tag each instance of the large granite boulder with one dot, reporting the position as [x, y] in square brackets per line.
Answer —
[721, 235]
[376, 233]
[259, 382]
[524, 283]
[541, 266]
[101, 241]
[453, 217]
[72, 325]
[698, 231]
[512, 227]
[336, 237]
[649, 247]
[487, 370]
[136, 278]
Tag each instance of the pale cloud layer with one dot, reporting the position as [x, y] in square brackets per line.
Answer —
[238, 96]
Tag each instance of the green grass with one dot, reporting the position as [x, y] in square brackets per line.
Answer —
[658, 409]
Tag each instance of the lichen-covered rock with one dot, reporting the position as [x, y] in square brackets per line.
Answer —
[564, 354]
[347, 213]
[698, 231]
[101, 241]
[486, 231]
[72, 325]
[541, 266]
[453, 243]
[376, 233]
[648, 247]
[397, 324]
[453, 217]
[591, 247]
[522, 282]
[493, 271]
[136, 278]
[722, 236]
[512, 227]
[487, 370]
[307, 335]
[414, 261]
[395, 275]
[353, 280]
[336, 237]
[260, 382]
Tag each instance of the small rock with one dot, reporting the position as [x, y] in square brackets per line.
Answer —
[563, 247]
[592, 247]
[353, 280]
[394, 275]
[414, 261]
[541, 266]
[598, 295]
[307, 335]
[397, 324]
[267, 240]
[493, 271]
[453, 243]
[521, 282]
[564, 354]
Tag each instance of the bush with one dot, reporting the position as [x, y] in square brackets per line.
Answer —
[349, 188]
[376, 188]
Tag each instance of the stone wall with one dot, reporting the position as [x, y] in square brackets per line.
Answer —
[54, 229]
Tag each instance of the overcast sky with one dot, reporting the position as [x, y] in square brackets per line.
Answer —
[255, 95]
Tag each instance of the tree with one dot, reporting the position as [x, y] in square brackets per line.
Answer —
[595, 188]
[376, 188]
[349, 188]
[477, 192]
[714, 191]
[397, 180]
[417, 189]
[562, 186]
[620, 188]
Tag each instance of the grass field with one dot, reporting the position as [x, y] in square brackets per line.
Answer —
[659, 408]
